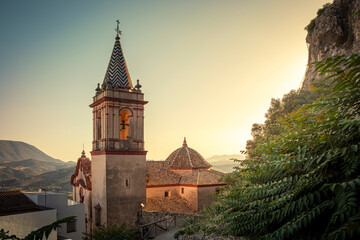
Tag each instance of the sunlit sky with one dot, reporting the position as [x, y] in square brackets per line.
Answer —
[208, 68]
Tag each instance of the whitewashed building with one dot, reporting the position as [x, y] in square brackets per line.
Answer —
[64, 208]
[20, 216]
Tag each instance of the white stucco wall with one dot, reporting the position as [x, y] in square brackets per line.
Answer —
[48, 199]
[24, 223]
[65, 208]
[77, 210]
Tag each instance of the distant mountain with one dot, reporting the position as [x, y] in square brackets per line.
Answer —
[13, 174]
[12, 151]
[223, 163]
[24, 166]
[54, 180]
[29, 167]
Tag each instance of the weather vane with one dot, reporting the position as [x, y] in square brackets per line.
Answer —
[117, 28]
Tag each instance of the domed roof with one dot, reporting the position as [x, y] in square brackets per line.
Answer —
[186, 157]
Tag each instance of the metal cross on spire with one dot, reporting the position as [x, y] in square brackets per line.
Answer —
[117, 28]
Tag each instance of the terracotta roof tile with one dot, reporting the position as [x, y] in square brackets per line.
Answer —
[15, 201]
[173, 204]
[202, 177]
[159, 173]
[186, 157]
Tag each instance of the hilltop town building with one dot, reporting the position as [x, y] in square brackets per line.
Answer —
[185, 174]
[118, 182]
[20, 216]
[64, 208]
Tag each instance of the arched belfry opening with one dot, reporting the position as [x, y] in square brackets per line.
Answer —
[125, 120]
[98, 125]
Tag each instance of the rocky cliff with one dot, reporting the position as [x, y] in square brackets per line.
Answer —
[335, 31]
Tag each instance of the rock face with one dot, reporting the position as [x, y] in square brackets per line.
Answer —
[335, 31]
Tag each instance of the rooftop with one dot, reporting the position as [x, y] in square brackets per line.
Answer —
[117, 73]
[187, 158]
[13, 201]
[160, 173]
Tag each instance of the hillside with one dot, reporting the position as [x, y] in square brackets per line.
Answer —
[25, 166]
[29, 167]
[223, 163]
[12, 151]
[55, 180]
[334, 31]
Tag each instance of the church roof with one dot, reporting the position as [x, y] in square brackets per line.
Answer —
[202, 177]
[159, 173]
[117, 73]
[186, 158]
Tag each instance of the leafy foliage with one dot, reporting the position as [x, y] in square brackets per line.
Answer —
[279, 109]
[39, 233]
[197, 225]
[303, 183]
[112, 232]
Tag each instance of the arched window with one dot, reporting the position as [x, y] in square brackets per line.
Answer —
[125, 115]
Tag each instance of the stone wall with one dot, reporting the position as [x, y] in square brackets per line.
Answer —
[149, 217]
[209, 237]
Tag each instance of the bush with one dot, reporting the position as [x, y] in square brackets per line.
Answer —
[303, 183]
[118, 232]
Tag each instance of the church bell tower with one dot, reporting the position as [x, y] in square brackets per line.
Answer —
[118, 155]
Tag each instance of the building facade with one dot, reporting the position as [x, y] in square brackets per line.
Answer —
[20, 215]
[185, 176]
[64, 208]
[118, 154]
[116, 183]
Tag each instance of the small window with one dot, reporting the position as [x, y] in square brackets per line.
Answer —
[97, 215]
[71, 226]
[182, 190]
[127, 182]
[166, 194]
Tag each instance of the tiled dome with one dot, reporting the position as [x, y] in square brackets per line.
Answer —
[186, 157]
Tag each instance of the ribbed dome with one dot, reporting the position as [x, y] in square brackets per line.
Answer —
[186, 157]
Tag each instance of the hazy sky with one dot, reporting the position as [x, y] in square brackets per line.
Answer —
[208, 68]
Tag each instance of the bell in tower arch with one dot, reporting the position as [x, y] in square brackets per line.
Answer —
[125, 117]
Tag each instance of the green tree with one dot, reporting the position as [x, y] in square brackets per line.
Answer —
[113, 232]
[279, 109]
[303, 183]
[39, 233]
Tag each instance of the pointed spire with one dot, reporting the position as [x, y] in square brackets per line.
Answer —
[117, 73]
[83, 152]
[184, 143]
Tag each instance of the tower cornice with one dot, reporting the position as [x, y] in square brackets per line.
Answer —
[105, 152]
[119, 100]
